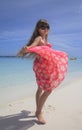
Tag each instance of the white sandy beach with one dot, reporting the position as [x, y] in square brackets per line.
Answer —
[62, 111]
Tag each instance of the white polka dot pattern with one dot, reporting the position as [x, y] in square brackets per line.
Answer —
[50, 66]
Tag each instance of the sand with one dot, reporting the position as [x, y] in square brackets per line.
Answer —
[62, 111]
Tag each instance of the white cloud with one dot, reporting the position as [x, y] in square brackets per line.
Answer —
[71, 43]
[16, 35]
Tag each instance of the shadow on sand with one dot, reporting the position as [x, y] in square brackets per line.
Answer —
[20, 121]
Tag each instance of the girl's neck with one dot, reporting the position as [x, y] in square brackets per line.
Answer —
[44, 38]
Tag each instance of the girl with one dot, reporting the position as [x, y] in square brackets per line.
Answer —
[50, 66]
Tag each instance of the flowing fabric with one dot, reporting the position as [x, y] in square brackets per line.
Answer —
[50, 66]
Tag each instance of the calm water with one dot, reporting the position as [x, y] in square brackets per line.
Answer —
[15, 71]
[17, 77]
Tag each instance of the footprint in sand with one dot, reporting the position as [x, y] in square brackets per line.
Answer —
[49, 108]
[81, 113]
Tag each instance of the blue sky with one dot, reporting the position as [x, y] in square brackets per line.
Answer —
[18, 19]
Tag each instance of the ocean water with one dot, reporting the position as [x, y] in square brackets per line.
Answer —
[17, 78]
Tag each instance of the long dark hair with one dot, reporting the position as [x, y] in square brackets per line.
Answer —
[36, 32]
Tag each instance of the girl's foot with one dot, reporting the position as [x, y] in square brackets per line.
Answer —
[40, 118]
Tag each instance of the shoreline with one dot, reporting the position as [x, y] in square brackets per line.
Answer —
[11, 94]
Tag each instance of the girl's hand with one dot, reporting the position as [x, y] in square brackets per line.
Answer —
[23, 51]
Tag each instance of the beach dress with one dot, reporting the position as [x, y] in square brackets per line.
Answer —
[50, 66]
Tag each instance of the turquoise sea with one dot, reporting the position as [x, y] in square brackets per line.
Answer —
[17, 78]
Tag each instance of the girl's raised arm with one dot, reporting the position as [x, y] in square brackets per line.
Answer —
[24, 50]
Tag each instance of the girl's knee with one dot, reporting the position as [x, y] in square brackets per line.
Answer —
[48, 92]
[39, 90]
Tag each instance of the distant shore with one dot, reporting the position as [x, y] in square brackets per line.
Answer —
[12, 56]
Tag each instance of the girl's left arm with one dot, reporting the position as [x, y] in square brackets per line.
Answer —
[36, 42]
[25, 50]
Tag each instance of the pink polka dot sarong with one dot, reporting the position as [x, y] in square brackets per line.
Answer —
[50, 66]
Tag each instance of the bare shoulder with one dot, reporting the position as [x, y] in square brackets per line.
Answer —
[38, 39]
[36, 42]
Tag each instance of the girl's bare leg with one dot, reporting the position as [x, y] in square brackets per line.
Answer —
[40, 103]
[38, 95]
